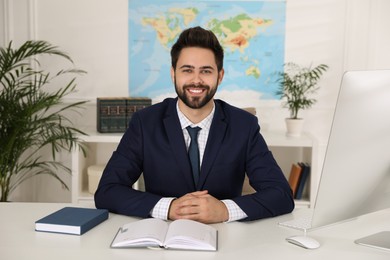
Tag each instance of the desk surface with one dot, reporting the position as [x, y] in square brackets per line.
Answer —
[262, 239]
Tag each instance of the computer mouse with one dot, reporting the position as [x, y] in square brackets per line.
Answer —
[304, 241]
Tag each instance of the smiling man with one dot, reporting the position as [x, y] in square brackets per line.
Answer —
[194, 151]
[196, 78]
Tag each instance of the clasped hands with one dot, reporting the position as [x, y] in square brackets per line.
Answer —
[199, 206]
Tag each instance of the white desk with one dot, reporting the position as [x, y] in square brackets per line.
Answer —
[262, 239]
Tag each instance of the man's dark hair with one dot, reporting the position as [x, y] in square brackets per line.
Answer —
[198, 37]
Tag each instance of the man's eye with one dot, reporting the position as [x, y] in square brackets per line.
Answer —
[206, 71]
[187, 71]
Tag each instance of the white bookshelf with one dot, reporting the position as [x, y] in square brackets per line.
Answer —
[286, 150]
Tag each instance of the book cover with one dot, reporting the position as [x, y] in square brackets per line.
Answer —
[114, 114]
[111, 115]
[71, 220]
[293, 179]
[302, 180]
[180, 234]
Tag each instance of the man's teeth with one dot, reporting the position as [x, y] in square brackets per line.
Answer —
[196, 91]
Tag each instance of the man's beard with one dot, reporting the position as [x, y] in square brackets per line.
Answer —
[195, 102]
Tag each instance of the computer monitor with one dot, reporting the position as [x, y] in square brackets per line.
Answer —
[355, 177]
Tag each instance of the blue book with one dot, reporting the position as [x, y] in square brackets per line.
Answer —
[302, 180]
[72, 220]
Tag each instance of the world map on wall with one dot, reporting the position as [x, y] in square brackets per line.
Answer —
[251, 33]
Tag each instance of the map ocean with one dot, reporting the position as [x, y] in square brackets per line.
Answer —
[251, 33]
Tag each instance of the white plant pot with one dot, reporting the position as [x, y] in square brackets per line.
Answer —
[294, 127]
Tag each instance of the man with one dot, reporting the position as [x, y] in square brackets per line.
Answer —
[229, 145]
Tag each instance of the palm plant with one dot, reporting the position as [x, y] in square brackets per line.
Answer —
[31, 117]
[296, 84]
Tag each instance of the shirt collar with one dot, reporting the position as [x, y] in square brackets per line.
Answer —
[204, 124]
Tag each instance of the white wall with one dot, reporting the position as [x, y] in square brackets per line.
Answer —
[345, 34]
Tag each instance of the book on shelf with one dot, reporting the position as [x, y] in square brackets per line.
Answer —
[295, 174]
[71, 220]
[180, 234]
[111, 115]
[114, 114]
[302, 180]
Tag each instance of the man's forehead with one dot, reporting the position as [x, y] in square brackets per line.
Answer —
[196, 58]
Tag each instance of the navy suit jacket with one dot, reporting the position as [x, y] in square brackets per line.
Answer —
[154, 145]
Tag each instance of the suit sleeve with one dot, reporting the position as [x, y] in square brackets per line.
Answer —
[273, 195]
[115, 191]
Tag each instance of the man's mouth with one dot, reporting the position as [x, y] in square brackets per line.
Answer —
[196, 91]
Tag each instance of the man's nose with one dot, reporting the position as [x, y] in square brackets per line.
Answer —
[197, 79]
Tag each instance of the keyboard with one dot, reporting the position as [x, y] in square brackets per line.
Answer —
[301, 223]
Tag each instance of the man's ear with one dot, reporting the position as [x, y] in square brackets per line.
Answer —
[173, 75]
[221, 74]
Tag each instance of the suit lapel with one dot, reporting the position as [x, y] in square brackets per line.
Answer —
[214, 142]
[176, 141]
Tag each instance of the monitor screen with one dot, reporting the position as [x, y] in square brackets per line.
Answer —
[355, 177]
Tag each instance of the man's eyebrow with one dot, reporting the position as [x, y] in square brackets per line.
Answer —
[193, 67]
[207, 67]
[187, 66]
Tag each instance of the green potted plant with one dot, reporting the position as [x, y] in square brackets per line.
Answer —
[296, 86]
[32, 115]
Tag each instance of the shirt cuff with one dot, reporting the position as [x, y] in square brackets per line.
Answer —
[235, 212]
[161, 209]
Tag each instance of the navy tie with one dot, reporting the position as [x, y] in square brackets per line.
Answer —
[193, 152]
